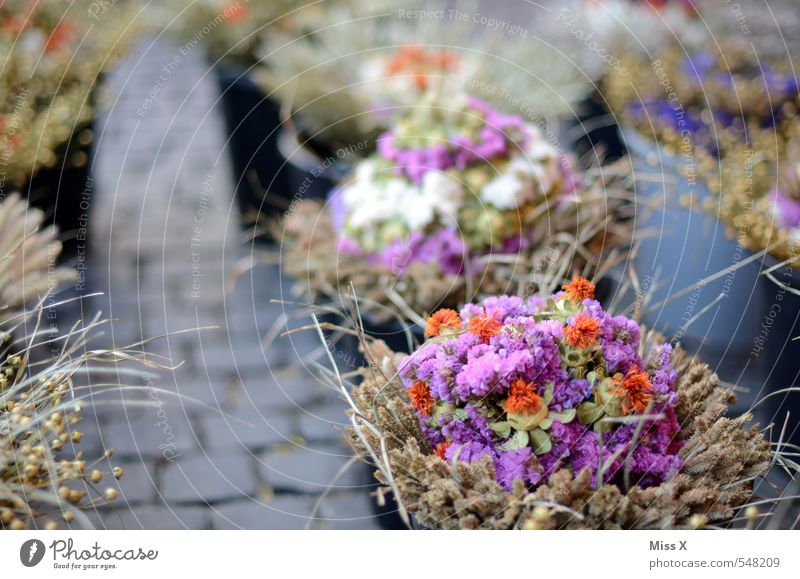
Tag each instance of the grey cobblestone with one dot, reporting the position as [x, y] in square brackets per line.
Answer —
[153, 517]
[154, 437]
[310, 469]
[210, 477]
[350, 510]
[150, 172]
[280, 512]
[250, 427]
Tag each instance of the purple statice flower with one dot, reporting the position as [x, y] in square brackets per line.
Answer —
[787, 210]
[620, 343]
[337, 209]
[662, 375]
[443, 247]
[489, 371]
[514, 382]
[515, 464]
[570, 393]
[496, 138]
[349, 246]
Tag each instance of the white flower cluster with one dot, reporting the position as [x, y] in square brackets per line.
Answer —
[377, 196]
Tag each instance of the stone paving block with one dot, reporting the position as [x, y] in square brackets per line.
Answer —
[323, 421]
[137, 485]
[283, 387]
[211, 477]
[166, 433]
[264, 427]
[349, 510]
[153, 517]
[281, 512]
[310, 469]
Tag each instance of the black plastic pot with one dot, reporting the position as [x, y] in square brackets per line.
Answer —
[273, 165]
[680, 247]
[64, 191]
[253, 123]
[596, 128]
[780, 324]
[395, 334]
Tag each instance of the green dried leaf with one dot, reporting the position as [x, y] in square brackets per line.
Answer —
[503, 428]
[589, 412]
[548, 392]
[519, 440]
[566, 416]
[540, 441]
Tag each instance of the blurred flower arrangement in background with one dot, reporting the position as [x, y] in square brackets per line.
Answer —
[55, 55]
[346, 78]
[458, 200]
[233, 30]
[730, 115]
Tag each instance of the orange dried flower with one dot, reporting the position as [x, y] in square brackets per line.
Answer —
[635, 390]
[583, 332]
[444, 319]
[421, 398]
[523, 399]
[420, 63]
[441, 448]
[61, 36]
[579, 289]
[485, 326]
[235, 12]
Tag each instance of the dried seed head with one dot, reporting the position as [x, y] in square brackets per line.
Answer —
[697, 522]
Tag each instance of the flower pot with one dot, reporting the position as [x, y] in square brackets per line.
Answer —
[780, 324]
[253, 124]
[393, 332]
[311, 170]
[681, 246]
[64, 190]
[595, 127]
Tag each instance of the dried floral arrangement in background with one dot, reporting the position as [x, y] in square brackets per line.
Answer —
[728, 115]
[232, 30]
[611, 31]
[554, 415]
[55, 55]
[459, 201]
[345, 80]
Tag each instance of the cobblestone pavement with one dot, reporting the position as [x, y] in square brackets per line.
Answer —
[253, 442]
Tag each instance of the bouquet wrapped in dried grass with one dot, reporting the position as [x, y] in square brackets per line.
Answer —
[459, 201]
[552, 414]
